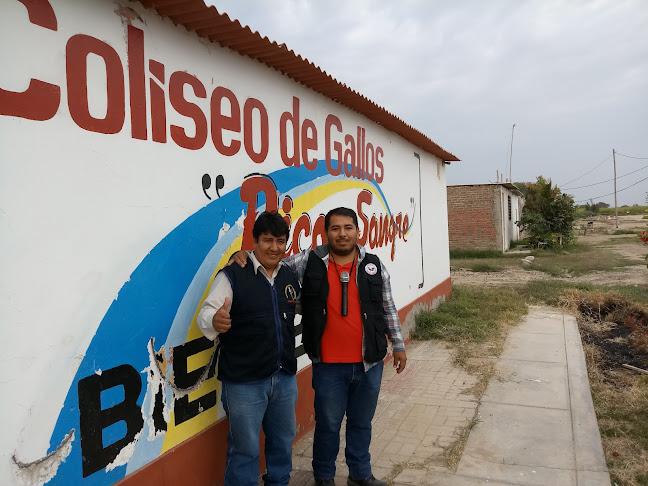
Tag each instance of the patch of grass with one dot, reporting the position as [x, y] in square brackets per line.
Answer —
[471, 315]
[624, 232]
[476, 254]
[553, 270]
[573, 259]
[549, 291]
[503, 262]
[514, 244]
[577, 259]
[569, 248]
[620, 240]
[635, 293]
[624, 210]
[486, 267]
[452, 454]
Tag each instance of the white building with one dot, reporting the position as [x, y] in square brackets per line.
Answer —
[138, 142]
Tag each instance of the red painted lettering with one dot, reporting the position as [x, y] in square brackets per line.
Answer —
[373, 232]
[250, 190]
[77, 50]
[221, 122]
[158, 103]
[293, 118]
[404, 228]
[308, 142]
[370, 159]
[379, 165]
[364, 197]
[41, 100]
[248, 130]
[319, 233]
[177, 82]
[333, 121]
[302, 225]
[137, 83]
[349, 156]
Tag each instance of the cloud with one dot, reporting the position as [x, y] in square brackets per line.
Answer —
[572, 75]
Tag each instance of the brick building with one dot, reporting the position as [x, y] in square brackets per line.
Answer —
[483, 216]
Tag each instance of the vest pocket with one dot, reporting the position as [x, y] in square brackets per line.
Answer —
[375, 291]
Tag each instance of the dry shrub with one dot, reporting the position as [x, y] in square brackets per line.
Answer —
[604, 306]
[613, 322]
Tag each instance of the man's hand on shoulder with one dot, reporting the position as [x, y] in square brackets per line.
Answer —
[221, 321]
[239, 257]
[400, 359]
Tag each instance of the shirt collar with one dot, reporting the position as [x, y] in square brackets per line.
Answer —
[256, 264]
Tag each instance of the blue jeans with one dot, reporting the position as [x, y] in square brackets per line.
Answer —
[344, 388]
[249, 406]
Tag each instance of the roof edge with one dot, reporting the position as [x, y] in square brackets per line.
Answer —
[209, 23]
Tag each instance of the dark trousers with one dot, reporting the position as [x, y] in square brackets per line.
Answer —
[344, 388]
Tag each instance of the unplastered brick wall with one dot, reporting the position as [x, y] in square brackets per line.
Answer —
[472, 222]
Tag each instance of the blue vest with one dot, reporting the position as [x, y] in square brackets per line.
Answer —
[262, 337]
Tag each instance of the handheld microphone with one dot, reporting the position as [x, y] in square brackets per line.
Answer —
[344, 278]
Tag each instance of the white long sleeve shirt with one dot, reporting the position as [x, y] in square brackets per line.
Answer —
[221, 289]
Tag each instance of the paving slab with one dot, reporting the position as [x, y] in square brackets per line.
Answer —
[530, 383]
[520, 444]
[532, 346]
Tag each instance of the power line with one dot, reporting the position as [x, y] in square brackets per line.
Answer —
[620, 190]
[598, 183]
[631, 157]
[579, 177]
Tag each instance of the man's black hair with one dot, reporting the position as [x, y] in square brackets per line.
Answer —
[340, 212]
[270, 222]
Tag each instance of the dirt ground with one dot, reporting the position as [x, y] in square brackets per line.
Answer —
[601, 235]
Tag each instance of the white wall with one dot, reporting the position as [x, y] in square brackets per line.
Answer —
[107, 240]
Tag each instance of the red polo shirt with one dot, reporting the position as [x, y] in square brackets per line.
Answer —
[342, 339]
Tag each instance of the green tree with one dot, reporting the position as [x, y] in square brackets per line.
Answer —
[591, 209]
[548, 214]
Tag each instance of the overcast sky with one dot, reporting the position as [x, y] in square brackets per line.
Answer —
[571, 75]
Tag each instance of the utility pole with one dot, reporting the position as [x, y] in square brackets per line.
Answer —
[616, 209]
[511, 156]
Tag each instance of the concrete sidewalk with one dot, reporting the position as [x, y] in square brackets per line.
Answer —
[535, 425]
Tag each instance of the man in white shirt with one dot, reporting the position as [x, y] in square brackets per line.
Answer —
[251, 311]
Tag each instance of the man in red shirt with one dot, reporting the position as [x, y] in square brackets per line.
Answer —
[345, 337]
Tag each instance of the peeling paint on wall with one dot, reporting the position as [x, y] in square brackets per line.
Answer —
[159, 365]
[125, 454]
[40, 471]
